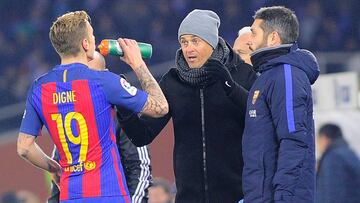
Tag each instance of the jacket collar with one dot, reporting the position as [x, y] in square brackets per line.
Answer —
[263, 55]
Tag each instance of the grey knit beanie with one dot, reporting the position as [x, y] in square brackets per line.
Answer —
[202, 23]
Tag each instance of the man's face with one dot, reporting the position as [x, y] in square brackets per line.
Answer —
[158, 195]
[91, 42]
[196, 51]
[322, 143]
[258, 38]
[241, 46]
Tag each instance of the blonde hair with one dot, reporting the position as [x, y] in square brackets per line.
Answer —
[68, 31]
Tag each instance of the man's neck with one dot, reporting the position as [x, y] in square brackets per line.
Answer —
[77, 59]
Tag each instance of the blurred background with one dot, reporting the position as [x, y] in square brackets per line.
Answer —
[329, 28]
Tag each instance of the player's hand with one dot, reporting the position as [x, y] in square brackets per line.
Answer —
[132, 55]
[56, 174]
[56, 179]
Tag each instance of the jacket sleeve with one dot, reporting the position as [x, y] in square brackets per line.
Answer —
[238, 95]
[288, 99]
[244, 78]
[136, 163]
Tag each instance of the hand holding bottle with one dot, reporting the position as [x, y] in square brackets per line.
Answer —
[112, 47]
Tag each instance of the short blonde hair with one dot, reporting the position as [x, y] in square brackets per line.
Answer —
[67, 32]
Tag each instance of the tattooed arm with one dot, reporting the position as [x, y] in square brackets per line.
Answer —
[156, 104]
[31, 152]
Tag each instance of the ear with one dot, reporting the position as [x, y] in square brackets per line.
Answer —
[274, 39]
[85, 44]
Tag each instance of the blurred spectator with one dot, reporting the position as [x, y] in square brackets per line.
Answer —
[338, 176]
[160, 191]
[311, 19]
[241, 44]
[326, 25]
[20, 196]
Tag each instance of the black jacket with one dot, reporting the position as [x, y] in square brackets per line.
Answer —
[208, 129]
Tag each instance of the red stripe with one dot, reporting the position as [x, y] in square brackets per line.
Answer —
[49, 108]
[112, 135]
[119, 177]
[91, 184]
[116, 162]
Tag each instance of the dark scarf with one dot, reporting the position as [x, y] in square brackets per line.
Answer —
[264, 55]
[198, 76]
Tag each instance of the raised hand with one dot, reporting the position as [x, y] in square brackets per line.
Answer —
[132, 55]
[216, 69]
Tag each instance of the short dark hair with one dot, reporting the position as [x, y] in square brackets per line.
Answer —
[279, 19]
[331, 131]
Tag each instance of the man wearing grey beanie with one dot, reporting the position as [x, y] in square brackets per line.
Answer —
[207, 93]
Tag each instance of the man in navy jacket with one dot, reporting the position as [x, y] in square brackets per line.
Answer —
[338, 175]
[278, 141]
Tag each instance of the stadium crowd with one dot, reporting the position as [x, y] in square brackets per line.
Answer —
[26, 53]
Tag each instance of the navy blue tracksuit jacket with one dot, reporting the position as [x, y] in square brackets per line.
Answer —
[278, 141]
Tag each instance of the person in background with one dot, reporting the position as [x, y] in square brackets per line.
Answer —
[160, 191]
[136, 160]
[19, 196]
[338, 174]
[278, 140]
[241, 44]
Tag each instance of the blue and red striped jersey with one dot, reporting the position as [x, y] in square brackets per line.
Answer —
[76, 104]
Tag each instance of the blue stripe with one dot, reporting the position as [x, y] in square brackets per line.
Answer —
[102, 111]
[289, 98]
[36, 98]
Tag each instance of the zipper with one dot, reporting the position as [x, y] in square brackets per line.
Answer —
[204, 144]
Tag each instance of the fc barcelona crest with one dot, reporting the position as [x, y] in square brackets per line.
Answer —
[256, 95]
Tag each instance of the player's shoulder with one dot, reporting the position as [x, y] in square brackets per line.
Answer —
[42, 78]
[94, 75]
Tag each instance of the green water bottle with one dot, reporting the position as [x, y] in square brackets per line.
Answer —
[112, 47]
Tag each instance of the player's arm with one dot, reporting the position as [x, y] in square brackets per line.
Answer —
[27, 148]
[31, 152]
[142, 130]
[156, 104]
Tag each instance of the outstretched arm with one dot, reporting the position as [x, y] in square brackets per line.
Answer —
[140, 130]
